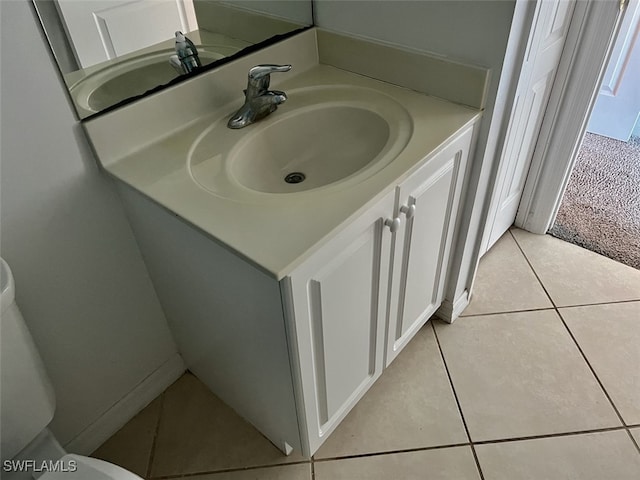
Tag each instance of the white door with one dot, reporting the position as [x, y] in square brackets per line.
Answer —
[104, 29]
[428, 200]
[338, 297]
[548, 34]
[617, 107]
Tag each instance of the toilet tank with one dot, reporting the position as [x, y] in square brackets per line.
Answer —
[27, 399]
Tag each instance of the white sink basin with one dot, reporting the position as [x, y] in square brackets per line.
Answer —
[322, 137]
[128, 78]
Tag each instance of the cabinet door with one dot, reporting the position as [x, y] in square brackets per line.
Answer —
[428, 200]
[336, 303]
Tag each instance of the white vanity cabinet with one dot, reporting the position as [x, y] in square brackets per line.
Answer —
[290, 306]
[355, 303]
[294, 355]
[337, 319]
[427, 203]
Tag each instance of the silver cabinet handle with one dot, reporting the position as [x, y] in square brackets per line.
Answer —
[393, 224]
[408, 210]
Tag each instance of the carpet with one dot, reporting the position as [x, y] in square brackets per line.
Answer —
[600, 210]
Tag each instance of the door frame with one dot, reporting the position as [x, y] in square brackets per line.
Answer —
[517, 150]
[582, 66]
[587, 47]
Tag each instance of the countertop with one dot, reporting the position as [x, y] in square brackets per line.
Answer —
[278, 231]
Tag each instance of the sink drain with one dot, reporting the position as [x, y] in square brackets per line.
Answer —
[295, 177]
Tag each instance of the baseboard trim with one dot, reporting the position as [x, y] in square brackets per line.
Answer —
[127, 407]
[450, 311]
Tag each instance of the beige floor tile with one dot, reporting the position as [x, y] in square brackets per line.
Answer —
[609, 336]
[130, 447]
[521, 374]
[199, 433]
[575, 276]
[441, 464]
[505, 282]
[285, 472]
[636, 434]
[410, 406]
[595, 456]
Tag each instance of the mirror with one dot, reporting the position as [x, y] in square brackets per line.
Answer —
[109, 51]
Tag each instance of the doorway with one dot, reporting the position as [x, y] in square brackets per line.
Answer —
[600, 209]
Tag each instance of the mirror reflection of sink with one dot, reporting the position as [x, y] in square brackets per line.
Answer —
[134, 76]
[322, 137]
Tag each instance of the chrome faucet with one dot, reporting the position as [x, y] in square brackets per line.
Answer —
[259, 100]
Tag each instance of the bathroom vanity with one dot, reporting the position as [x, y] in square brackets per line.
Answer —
[289, 300]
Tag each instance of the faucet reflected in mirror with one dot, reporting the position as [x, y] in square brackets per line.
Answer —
[186, 58]
[108, 55]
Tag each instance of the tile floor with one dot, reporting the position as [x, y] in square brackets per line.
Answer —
[539, 379]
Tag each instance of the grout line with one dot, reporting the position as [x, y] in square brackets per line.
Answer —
[152, 453]
[410, 450]
[599, 303]
[552, 435]
[582, 305]
[633, 439]
[591, 368]
[313, 468]
[391, 452]
[506, 312]
[575, 341]
[532, 269]
[545, 288]
[455, 395]
[194, 475]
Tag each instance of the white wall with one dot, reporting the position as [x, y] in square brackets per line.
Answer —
[475, 31]
[295, 11]
[80, 279]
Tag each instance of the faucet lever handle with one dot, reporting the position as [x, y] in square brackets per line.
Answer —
[260, 71]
